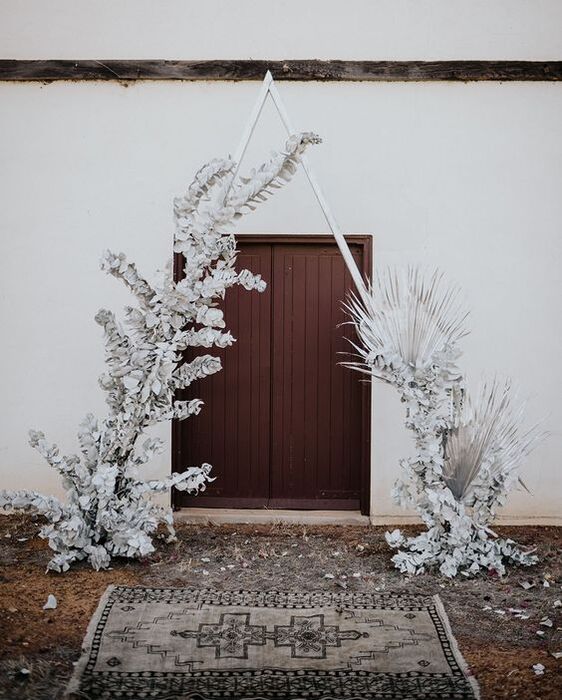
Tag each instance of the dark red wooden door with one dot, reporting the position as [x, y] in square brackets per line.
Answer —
[284, 425]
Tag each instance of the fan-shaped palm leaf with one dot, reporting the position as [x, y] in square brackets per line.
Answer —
[410, 316]
[489, 433]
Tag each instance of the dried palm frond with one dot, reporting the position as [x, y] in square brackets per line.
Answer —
[408, 326]
[490, 435]
[410, 316]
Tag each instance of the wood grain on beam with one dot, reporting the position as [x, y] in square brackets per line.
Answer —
[464, 71]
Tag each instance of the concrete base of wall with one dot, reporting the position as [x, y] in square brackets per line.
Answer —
[512, 520]
[324, 517]
[263, 516]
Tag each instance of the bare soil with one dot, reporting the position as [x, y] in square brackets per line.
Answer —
[499, 647]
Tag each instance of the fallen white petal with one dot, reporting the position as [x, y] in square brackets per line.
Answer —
[51, 603]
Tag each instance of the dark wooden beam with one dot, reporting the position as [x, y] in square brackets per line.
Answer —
[125, 70]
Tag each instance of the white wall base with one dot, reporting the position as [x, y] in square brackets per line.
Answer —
[527, 520]
[260, 516]
[263, 516]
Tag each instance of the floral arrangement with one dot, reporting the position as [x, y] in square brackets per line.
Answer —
[468, 451]
[108, 511]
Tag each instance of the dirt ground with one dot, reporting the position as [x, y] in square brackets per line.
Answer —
[499, 647]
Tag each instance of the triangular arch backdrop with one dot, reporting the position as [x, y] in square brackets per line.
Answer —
[269, 89]
[285, 426]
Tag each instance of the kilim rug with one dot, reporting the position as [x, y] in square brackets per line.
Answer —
[172, 644]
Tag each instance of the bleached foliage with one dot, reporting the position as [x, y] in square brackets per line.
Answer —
[108, 511]
[467, 451]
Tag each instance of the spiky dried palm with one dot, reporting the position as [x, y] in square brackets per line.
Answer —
[410, 316]
[490, 434]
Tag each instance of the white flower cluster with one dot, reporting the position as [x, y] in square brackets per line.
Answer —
[468, 454]
[108, 511]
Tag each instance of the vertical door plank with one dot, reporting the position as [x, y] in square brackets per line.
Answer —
[311, 404]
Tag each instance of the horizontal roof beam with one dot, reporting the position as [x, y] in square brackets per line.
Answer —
[297, 70]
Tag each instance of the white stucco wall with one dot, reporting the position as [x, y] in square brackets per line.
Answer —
[276, 29]
[466, 177]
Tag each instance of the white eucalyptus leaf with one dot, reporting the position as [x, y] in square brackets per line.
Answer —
[109, 511]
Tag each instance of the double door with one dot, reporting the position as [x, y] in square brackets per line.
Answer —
[284, 424]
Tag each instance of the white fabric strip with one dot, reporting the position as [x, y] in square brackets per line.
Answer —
[269, 88]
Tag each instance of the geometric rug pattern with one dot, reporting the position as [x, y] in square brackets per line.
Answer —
[204, 644]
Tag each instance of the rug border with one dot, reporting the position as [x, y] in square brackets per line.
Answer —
[73, 687]
[455, 647]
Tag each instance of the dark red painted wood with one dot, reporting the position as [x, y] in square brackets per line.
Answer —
[232, 430]
[284, 425]
[316, 404]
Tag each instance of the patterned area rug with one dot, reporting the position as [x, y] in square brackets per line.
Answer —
[172, 644]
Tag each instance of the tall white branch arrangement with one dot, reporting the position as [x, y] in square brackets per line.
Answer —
[108, 511]
[468, 451]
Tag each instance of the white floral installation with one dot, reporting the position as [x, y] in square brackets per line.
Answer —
[108, 511]
[468, 452]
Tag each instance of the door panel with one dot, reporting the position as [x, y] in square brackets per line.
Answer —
[232, 430]
[283, 423]
[316, 403]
